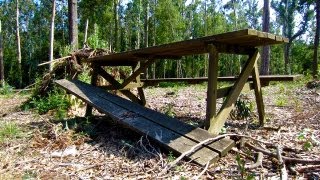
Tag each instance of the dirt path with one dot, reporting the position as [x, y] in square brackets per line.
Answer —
[39, 146]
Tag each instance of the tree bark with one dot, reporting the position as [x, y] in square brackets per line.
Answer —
[18, 43]
[52, 33]
[73, 25]
[116, 25]
[1, 60]
[316, 40]
[266, 49]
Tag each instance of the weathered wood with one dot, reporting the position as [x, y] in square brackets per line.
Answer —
[258, 94]
[136, 72]
[263, 78]
[190, 132]
[238, 39]
[212, 85]
[217, 123]
[126, 114]
[94, 79]
[116, 85]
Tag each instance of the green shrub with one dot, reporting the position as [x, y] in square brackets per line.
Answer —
[6, 89]
[56, 100]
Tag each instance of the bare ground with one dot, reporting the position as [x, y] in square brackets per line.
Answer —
[78, 148]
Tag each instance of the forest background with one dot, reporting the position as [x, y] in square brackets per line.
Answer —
[118, 25]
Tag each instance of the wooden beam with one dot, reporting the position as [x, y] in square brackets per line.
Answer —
[258, 94]
[212, 85]
[117, 85]
[137, 71]
[217, 123]
[263, 79]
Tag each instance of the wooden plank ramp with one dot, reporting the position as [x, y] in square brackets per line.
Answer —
[170, 133]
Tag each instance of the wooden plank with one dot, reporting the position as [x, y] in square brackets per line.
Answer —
[219, 120]
[212, 85]
[263, 78]
[190, 132]
[137, 122]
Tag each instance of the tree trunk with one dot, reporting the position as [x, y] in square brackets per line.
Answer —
[86, 33]
[73, 25]
[316, 41]
[1, 60]
[154, 37]
[146, 32]
[138, 27]
[266, 49]
[52, 33]
[18, 43]
[287, 58]
[116, 27]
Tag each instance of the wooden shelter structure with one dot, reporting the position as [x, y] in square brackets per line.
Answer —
[242, 42]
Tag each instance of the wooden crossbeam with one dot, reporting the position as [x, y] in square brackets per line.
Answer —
[216, 123]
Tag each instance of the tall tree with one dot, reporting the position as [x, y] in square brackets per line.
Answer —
[286, 11]
[316, 40]
[73, 25]
[18, 42]
[266, 28]
[116, 25]
[52, 33]
[1, 60]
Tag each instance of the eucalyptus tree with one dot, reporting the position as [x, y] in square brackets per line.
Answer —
[52, 33]
[316, 40]
[18, 43]
[266, 28]
[287, 11]
[73, 23]
[1, 59]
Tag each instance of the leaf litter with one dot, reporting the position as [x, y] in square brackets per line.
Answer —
[50, 150]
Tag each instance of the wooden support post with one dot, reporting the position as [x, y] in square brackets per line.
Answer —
[212, 85]
[94, 79]
[258, 94]
[217, 123]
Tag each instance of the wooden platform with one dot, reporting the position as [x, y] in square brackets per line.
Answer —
[170, 133]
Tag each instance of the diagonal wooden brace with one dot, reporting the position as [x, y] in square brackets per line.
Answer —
[116, 85]
[217, 122]
[136, 73]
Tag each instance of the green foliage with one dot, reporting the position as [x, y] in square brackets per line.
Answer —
[243, 108]
[171, 157]
[306, 137]
[241, 167]
[56, 100]
[9, 130]
[169, 110]
[6, 89]
[281, 101]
